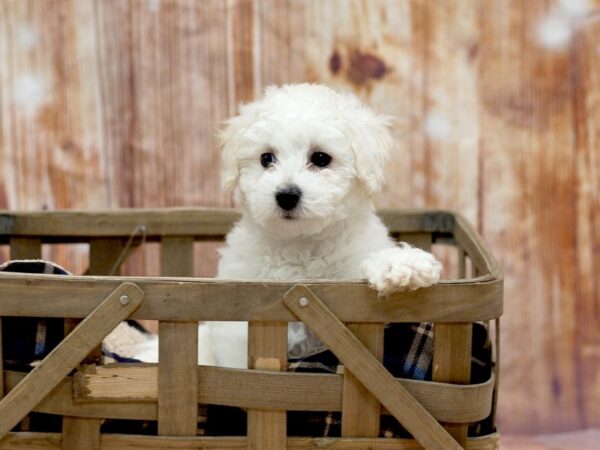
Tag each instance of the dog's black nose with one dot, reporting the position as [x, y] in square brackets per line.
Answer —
[287, 199]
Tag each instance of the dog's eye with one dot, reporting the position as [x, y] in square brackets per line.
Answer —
[267, 159]
[320, 159]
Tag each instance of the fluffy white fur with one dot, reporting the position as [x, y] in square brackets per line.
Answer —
[333, 233]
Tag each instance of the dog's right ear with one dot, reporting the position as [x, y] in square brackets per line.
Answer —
[232, 140]
[229, 138]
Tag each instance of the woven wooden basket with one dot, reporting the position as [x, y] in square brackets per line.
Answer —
[347, 316]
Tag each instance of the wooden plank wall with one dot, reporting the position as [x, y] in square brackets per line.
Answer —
[115, 103]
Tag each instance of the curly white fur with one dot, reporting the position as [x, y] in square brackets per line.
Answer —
[333, 232]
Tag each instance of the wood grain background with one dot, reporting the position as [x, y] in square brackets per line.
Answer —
[115, 103]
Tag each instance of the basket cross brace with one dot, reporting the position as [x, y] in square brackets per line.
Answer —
[38, 383]
[368, 370]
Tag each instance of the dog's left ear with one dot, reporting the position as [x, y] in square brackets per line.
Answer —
[372, 143]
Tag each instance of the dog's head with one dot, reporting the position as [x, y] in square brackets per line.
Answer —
[303, 156]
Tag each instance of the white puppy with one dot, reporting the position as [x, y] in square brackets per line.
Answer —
[304, 163]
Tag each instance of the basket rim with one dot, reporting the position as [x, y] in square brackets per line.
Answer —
[198, 299]
[213, 223]
[184, 299]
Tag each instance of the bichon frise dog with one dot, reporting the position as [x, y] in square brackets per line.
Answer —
[304, 163]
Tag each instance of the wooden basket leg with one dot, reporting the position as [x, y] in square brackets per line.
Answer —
[267, 350]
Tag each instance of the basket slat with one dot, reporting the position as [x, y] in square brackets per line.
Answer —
[452, 363]
[267, 350]
[178, 352]
[462, 263]
[121, 392]
[80, 432]
[419, 240]
[60, 401]
[361, 411]
[25, 248]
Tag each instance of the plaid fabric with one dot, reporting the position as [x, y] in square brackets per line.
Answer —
[420, 354]
[27, 339]
[409, 352]
[33, 266]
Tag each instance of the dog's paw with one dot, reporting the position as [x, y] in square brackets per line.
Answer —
[401, 268]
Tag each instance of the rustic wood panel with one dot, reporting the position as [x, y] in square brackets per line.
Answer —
[527, 141]
[50, 133]
[528, 213]
[374, 48]
[587, 114]
[115, 104]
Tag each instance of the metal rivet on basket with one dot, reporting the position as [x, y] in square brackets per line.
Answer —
[303, 301]
[124, 300]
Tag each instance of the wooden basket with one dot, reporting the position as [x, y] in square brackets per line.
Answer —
[347, 316]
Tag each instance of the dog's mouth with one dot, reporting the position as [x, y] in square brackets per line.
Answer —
[288, 216]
